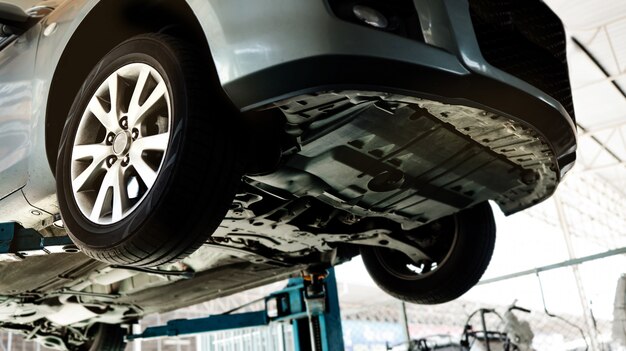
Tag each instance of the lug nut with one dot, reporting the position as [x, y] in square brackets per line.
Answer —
[126, 161]
[111, 160]
[370, 16]
[134, 134]
[110, 138]
[124, 122]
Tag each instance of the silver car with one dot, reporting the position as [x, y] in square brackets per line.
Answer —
[195, 148]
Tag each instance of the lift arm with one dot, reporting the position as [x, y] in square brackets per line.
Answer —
[180, 327]
[17, 243]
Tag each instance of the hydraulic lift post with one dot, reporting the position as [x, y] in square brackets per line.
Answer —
[309, 303]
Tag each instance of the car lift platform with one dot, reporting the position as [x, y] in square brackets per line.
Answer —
[309, 303]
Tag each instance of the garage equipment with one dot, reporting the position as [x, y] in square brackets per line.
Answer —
[310, 303]
[17, 243]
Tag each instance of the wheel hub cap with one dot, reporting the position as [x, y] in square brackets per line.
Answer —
[121, 143]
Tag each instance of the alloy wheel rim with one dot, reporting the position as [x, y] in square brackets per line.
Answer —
[120, 144]
[401, 266]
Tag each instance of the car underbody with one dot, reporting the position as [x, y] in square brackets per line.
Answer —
[357, 184]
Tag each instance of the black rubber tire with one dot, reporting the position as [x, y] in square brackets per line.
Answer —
[107, 337]
[200, 172]
[467, 260]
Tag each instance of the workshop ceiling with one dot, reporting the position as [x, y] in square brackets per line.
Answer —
[600, 27]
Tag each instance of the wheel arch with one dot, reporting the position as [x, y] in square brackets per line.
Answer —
[106, 25]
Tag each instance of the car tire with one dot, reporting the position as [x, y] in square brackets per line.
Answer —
[107, 337]
[122, 212]
[460, 246]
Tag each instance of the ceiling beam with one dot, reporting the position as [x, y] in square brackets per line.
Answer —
[617, 86]
[610, 78]
[601, 144]
[595, 60]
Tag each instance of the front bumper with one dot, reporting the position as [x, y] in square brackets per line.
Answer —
[302, 47]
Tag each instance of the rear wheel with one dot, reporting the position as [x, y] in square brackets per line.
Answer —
[459, 249]
[148, 163]
[106, 337]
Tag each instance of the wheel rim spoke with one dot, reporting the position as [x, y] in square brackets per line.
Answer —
[94, 151]
[103, 171]
[113, 82]
[134, 106]
[426, 267]
[103, 193]
[141, 112]
[146, 173]
[87, 175]
[156, 142]
[120, 197]
[105, 118]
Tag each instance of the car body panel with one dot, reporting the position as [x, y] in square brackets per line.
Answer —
[450, 64]
[41, 188]
[17, 63]
[453, 35]
[286, 31]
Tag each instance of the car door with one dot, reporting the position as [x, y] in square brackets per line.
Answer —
[17, 63]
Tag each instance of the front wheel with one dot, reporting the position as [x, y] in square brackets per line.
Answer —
[459, 249]
[147, 165]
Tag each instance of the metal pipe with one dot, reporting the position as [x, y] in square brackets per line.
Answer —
[484, 324]
[567, 236]
[571, 262]
[405, 323]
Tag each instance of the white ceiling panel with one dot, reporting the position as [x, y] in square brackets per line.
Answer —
[587, 14]
[583, 72]
[617, 33]
[601, 45]
[599, 105]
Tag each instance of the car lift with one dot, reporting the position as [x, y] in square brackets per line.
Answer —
[309, 303]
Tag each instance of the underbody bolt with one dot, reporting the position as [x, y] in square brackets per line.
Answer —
[529, 177]
[111, 160]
